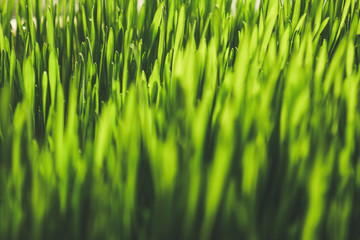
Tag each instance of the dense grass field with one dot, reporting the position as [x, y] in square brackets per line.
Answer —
[183, 119]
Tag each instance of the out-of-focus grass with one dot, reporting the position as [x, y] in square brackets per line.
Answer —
[181, 119]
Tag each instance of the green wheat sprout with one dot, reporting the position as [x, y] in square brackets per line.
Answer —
[179, 119]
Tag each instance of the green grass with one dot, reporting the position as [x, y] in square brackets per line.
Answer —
[184, 120]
